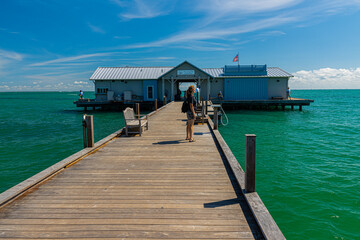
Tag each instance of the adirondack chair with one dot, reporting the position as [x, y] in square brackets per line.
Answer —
[133, 124]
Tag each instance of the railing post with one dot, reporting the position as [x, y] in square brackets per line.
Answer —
[206, 107]
[90, 130]
[216, 118]
[138, 109]
[250, 142]
[202, 111]
[84, 130]
[156, 104]
[164, 100]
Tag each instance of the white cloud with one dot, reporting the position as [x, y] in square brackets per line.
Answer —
[215, 33]
[326, 78]
[70, 59]
[11, 55]
[141, 9]
[240, 6]
[96, 29]
[222, 20]
[80, 82]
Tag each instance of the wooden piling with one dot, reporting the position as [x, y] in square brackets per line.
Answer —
[292, 107]
[250, 140]
[206, 107]
[138, 109]
[164, 100]
[216, 118]
[300, 107]
[202, 112]
[156, 105]
[84, 130]
[90, 130]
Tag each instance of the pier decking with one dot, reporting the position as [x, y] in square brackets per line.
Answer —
[157, 186]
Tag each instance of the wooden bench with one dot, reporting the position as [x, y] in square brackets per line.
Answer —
[134, 124]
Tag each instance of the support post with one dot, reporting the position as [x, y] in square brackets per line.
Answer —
[208, 90]
[283, 107]
[156, 106]
[292, 107]
[163, 87]
[172, 89]
[202, 111]
[300, 107]
[250, 151]
[138, 109]
[84, 130]
[90, 130]
[216, 118]
[164, 100]
[206, 107]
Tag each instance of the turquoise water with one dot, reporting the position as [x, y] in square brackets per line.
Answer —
[308, 163]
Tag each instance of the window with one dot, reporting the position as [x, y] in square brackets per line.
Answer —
[150, 94]
[102, 90]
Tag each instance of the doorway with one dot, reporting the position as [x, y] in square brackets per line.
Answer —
[181, 88]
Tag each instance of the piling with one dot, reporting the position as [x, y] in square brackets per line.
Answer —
[138, 109]
[202, 111]
[216, 118]
[89, 130]
[164, 100]
[156, 105]
[84, 130]
[250, 140]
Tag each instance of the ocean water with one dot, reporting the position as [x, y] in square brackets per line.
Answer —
[307, 163]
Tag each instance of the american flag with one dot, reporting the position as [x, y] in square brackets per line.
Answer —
[236, 58]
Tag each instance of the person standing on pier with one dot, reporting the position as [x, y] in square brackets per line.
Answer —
[288, 93]
[191, 116]
[81, 94]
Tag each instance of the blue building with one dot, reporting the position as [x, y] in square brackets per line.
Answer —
[145, 84]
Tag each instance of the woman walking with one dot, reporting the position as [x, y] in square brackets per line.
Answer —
[191, 116]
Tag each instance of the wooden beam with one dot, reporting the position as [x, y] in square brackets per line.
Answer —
[90, 130]
[250, 140]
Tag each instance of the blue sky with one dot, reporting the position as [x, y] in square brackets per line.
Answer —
[52, 45]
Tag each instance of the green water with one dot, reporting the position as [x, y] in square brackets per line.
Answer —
[307, 162]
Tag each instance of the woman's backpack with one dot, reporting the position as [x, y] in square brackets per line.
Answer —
[185, 106]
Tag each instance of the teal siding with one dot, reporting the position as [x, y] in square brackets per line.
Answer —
[246, 89]
[146, 84]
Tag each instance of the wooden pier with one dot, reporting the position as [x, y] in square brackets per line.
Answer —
[265, 104]
[157, 186]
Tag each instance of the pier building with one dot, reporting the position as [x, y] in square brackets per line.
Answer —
[232, 85]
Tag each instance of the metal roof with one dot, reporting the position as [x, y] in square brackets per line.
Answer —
[139, 73]
[271, 72]
[126, 73]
